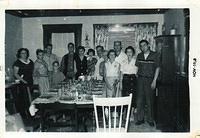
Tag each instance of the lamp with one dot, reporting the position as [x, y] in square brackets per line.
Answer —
[87, 40]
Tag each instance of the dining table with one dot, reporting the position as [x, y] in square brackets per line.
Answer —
[75, 98]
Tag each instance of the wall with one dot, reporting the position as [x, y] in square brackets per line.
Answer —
[13, 38]
[33, 32]
[177, 18]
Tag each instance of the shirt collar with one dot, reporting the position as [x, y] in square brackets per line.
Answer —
[25, 62]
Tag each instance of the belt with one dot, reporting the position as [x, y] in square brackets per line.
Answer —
[129, 75]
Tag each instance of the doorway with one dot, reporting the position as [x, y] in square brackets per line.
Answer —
[59, 35]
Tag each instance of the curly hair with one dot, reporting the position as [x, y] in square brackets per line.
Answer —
[91, 50]
[20, 50]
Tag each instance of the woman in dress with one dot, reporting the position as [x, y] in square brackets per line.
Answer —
[91, 62]
[41, 72]
[23, 70]
[112, 75]
[81, 62]
[129, 77]
[129, 74]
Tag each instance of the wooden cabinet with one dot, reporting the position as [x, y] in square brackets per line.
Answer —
[172, 102]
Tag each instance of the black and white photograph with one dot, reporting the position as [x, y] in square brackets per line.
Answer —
[97, 70]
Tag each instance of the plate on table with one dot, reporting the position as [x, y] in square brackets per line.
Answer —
[97, 89]
[53, 90]
[88, 97]
[46, 96]
[67, 98]
[97, 92]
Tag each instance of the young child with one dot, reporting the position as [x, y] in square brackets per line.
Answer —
[55, 76]
[111, 74]
[40, 72]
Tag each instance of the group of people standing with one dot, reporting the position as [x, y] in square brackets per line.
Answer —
[121, 71]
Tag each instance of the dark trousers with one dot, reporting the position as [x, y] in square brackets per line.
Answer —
[129, 84]
[145, 96]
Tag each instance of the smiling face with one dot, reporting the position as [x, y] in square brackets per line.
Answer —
[117, 48]
[144, 47]
[129, 53]
[49, 49]
[112, 56]
[90, 54]
[40, 55]
[81, 52]
[55, 66]
[23, 54]
[99, 51]
[105, 57]
[71, 48]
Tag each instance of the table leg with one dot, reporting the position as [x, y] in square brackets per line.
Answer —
[76, 119]
[42, 120]
[84, 123]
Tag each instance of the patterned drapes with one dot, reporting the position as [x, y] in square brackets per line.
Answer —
[101, 35]
[138, 31]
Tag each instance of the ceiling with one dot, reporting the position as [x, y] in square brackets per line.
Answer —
[82, 12]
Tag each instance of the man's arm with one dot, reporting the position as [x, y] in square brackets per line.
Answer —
[153, 84]
[62, 65]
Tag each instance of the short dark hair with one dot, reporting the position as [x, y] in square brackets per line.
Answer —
[99, 46]
[111, 51]
[49, 45]
[144, 41]
[130, 47]
[70, 44]
[91, 50]
[20, 50]
[81, 47]
[55, 62]
[39, 51]
[118, 42]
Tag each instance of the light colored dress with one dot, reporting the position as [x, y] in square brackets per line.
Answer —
[96, 73]
[112, 76]
[41, 76]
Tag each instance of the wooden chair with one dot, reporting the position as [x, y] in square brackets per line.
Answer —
[107, 107]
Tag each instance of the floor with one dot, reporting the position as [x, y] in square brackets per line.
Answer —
[91, 128]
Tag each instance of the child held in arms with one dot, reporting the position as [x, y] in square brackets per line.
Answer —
[56, 76]
[91, 61]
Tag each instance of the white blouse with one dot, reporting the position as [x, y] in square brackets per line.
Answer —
[129, 68]
[112, 69]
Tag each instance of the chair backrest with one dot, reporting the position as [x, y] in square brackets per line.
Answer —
[105, 108]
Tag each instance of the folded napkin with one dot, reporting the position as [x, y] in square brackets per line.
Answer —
[32, 110]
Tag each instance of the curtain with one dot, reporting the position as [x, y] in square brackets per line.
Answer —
[60, 42]
[129, 34]
[101, 35]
